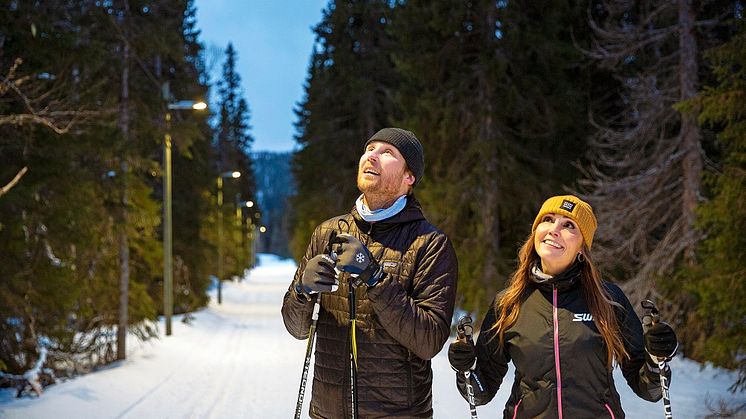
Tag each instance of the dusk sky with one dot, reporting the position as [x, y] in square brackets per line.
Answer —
[274, 41]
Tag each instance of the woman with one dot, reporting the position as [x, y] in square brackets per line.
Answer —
[563, 328]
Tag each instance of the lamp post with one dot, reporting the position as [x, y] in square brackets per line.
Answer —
[240, 205]
[231, 175]
[251, 236]
[168, 287]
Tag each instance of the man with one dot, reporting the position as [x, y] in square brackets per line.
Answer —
[404, 274]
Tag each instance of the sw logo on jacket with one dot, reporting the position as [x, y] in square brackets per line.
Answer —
[582, 317]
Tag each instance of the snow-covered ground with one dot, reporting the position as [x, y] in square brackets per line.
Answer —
[237, 361]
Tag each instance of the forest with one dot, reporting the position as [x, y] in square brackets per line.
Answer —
[92, 103]
[637, 106]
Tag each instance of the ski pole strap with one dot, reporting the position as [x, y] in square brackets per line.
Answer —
[464, 328]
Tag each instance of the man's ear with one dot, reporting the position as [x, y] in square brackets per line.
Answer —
[409, 178]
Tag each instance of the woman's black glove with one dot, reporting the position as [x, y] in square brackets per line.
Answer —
[660, 340]
[462, 355]
[319, 276]
[353, 257]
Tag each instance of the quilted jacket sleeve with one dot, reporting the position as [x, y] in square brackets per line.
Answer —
[641, 379]
[421, 322]
[492, 364]
[297, 310]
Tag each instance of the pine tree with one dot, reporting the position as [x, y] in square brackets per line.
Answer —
[714, 287]
[193, 174]
[347, 99]
[41, 288]
[233, 143]
[646, 160]
[487, 86]
[60, 250]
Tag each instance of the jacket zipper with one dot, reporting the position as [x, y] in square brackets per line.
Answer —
[556, 351]
[606, 405]
[515, 409]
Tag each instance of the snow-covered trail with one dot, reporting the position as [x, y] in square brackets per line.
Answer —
[237, 361]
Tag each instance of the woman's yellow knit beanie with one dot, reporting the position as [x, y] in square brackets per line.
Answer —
[574, 208]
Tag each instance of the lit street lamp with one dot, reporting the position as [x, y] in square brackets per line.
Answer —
[168, 287]
[187, 104]
[229, 175]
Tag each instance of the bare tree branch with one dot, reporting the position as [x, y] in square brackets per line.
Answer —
[13, 182]
[637, 180]
[41, 101]
[37, 101]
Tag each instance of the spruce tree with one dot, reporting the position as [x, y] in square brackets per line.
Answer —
[233, 145]
[61, 220]
[714, 288]
[347, 99]
[646, 159]
[491, 90]
[46, 212]
[193, 170]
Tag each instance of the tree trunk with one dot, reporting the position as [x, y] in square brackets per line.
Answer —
[124, 250]
[690, 135]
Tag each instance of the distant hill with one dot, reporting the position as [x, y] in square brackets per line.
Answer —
[274, 181]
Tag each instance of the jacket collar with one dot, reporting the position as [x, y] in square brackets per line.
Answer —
[411, 212]
[562, 281]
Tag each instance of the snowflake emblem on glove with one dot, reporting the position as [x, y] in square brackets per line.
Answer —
[360, 258]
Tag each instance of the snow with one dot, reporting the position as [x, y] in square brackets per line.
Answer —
[235, 360]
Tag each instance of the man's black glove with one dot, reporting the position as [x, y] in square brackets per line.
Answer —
[319, 276]
[353, 257]
[461, 355]
[660, 340]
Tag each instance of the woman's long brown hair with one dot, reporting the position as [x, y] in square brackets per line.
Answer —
[508, 303]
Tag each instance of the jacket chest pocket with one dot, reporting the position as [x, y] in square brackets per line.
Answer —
[397, 269]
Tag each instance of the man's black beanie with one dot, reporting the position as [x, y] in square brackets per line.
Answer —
[408, 145]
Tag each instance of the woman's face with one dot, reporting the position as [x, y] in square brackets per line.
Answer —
[557, 241]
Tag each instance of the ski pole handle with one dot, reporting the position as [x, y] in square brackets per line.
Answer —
[648, 321]
[465, 330]
[312, 337]
[653, 316]
[329, 249]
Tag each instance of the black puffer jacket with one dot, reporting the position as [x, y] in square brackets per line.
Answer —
[555, 329]
[402, 322]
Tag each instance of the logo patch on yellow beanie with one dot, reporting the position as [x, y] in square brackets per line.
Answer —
[567, 205]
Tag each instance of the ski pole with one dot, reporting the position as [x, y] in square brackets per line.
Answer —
[353, 350]
[307, 363]
[311, 339]
[351, 298]
[648, 321]
[465, 331]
